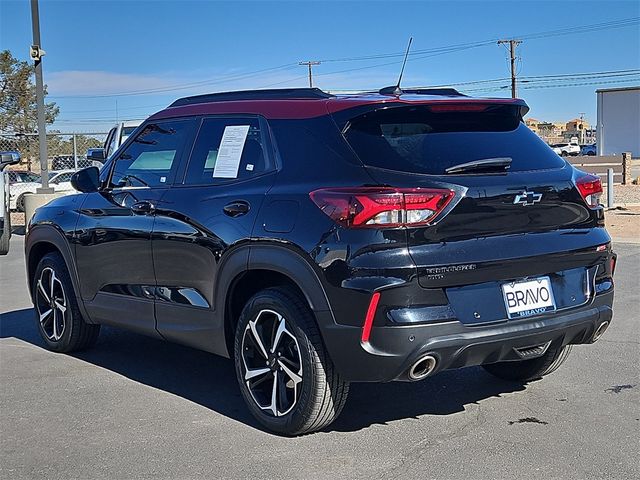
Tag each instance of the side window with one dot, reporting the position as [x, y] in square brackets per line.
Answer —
[227, 149]
[151, 159]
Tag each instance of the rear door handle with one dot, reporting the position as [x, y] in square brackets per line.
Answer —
[143, 208]
[237, 208]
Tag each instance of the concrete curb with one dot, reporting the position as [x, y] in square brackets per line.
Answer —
[630, 241]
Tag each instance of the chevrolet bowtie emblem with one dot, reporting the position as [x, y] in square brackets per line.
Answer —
[527, 198]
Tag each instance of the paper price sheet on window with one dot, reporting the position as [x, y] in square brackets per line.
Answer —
[230, 151]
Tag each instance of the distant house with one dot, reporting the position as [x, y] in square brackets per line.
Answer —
[577, 128]
[532, 123]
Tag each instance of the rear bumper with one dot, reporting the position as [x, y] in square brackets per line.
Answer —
[392, 349]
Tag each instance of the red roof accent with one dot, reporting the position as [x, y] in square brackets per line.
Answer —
[310, 108]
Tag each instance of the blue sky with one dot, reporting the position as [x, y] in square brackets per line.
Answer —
[99, 48]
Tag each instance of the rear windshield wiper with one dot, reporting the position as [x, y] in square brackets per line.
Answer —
[492, 164]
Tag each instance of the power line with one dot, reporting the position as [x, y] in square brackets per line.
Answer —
[529, 78]
[572, 83]
[620, 23]
[477, 86]
[416, 54]
[183, 86]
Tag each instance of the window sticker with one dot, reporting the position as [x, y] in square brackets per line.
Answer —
[249, 167]
[230, 151]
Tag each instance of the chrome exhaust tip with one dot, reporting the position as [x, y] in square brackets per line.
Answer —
[422, 368]
[599, 331]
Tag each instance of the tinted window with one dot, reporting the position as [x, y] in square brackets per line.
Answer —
[413, 139]
[249, 149]
[151, 159]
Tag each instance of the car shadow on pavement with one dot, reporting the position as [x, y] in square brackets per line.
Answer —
[210, 381]
[446, 393]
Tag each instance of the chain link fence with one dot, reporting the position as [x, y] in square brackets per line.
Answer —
[65, 151]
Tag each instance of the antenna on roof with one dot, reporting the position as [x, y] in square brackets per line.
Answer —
[396, 90]
[404, 62]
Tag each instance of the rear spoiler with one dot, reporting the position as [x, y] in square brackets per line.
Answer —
[516, 107]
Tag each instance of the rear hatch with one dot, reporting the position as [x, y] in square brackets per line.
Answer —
[516, 212]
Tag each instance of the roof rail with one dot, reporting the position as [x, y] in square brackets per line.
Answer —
[272, 94]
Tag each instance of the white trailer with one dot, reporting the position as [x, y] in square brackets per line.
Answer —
[618, 128]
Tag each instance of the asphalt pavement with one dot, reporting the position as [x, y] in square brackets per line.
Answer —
[135, 407]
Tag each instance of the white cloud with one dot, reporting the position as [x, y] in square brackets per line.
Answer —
[91, 82]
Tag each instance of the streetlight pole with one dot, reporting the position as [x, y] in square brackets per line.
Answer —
[36, 54]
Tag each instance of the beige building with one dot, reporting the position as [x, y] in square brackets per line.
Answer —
[561, 132]
[532, 123]
[577, 128]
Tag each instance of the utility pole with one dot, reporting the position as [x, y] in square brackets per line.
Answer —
[512, 53]
[309, 64]
[36, 54]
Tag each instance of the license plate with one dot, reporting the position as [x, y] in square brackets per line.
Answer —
[527, 298]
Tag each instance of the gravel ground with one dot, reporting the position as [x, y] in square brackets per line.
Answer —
[623, 194]
[623, 224]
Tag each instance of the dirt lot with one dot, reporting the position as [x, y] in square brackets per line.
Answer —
[623, 224]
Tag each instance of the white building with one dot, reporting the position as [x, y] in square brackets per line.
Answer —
[618, 128]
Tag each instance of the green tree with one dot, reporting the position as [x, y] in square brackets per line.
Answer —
[18, 111]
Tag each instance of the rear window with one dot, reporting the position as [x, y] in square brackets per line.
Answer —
[416, 140]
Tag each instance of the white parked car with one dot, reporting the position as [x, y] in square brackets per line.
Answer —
[21, 183]
[6, 159]
[565, 149]
[116, 137]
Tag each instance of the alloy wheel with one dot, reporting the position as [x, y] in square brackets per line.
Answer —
[272, 363]
[51, 304]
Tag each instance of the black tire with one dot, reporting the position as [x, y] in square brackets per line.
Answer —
[319, 396]
[6, 234]
[527, 370]
[563, 153]
[62, 331]
[20, 203]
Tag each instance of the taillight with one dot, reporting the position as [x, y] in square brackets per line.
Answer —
[612, 265]
[363, 207]
[368, 319]
[590, 187]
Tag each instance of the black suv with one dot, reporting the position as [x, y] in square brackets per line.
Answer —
[320, 240]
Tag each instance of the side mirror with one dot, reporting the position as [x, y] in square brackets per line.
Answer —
[96, 154]
[8, 158]
[86, 180]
